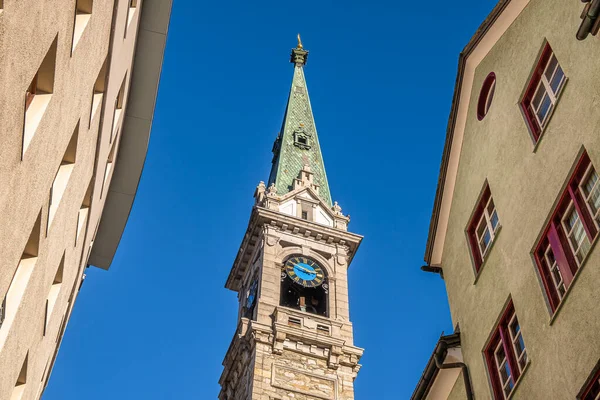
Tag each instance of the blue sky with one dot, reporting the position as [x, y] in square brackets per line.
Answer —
[381, 76]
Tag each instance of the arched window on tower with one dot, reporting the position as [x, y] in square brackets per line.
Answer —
[304, 285]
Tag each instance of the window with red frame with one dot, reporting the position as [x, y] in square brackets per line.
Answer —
[506, 355]
[543, 91]
[568, 236]
[591, 389]
[483, 227]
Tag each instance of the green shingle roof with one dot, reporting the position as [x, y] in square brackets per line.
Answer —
[297, 143]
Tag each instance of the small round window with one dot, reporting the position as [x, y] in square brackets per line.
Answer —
[486, 96]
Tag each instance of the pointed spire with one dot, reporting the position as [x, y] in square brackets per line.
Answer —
[297, 144]
[299, 55]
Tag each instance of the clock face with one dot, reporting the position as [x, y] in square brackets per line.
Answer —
[304, 271]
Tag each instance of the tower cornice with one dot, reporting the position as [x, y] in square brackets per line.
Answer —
[263, 218]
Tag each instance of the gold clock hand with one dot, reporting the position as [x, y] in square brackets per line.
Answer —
[305, 270]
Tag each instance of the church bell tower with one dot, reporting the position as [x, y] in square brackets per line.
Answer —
[294, 336]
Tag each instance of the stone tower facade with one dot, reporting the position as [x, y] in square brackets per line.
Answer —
[294, 337]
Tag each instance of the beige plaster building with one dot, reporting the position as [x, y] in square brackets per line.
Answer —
[294, 336]
[516, 215]
[78, 83]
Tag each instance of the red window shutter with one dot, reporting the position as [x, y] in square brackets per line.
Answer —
[529, 92]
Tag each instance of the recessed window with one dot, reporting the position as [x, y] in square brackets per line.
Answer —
[543, 92]
[61, 180]
[130, 14]
[21, 383]
[295, 322]
[118, 109]
[506, 355]
[567, 238]
[83, 213]
[486, 96]
[306, 211]
[54, 291]
[98, 92]
[83, 13]
[38, 94]
[18, 285]
[483, 227]
[108, 168]
[591, 389]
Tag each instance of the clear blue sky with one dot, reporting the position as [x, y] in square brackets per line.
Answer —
[381, 76]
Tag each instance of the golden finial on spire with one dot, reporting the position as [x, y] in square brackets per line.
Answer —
[299, 42]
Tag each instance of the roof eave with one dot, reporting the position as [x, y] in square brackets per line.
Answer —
[430, 372]
[464, 55]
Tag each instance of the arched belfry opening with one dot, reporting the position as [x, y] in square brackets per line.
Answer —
[304, 285]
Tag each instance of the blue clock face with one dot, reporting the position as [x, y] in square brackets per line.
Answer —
[304, 271]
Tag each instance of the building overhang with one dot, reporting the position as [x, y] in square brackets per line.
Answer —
[436, 383]
[147, 65]
[486, 36]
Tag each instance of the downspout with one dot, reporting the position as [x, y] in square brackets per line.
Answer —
[589, 19]
[439, 353]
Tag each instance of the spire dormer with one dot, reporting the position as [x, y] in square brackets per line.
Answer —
[297, 144]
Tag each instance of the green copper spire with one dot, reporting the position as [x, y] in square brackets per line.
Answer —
[297, 144]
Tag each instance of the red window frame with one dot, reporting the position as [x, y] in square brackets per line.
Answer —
[501, 336]
[486, 95]
[525, 104]
[591, 389]
[555, 237]
[472, 228]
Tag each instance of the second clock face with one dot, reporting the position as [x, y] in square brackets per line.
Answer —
[304, 271]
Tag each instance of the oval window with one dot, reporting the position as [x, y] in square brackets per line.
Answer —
[486, 95]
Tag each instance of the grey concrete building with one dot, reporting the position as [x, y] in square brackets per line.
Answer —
[78, 83]
[294, 338]
[516, 214]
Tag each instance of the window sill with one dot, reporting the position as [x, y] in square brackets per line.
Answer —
[583, 263]
[512, 394]
[487, 255]
[543, 130]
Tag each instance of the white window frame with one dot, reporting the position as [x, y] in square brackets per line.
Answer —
[570, 231]
[488, 221]
[544, 84]
[514, 339]
[588, 196]
[500, 368]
